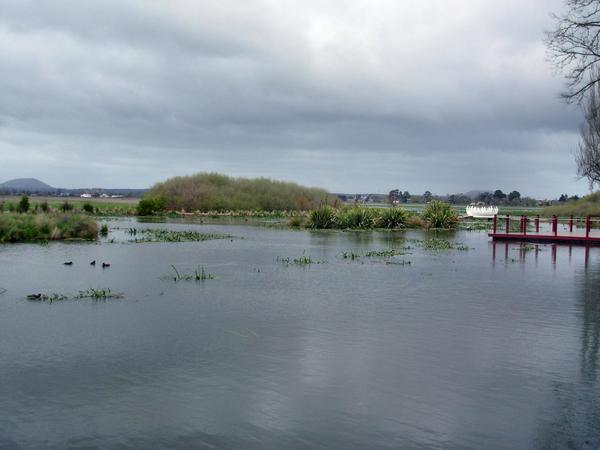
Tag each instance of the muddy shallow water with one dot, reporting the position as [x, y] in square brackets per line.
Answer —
[490, 347]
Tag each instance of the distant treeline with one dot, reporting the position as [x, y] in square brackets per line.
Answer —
[215, 192]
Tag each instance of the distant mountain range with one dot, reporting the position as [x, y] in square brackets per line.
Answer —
[35, 186]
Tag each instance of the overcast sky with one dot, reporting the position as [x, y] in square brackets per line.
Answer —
[353, 96]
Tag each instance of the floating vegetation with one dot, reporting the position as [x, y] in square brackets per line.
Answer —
[385, 253]
[95, 294]
[403, 262]
[530, 248]
[438, 244]
[199, 275]
[161, 235]
[2, 291]
[350, 255]
[301, 261]
[98, 294]
[104, 230]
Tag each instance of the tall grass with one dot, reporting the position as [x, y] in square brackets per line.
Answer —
[590, 204]
[46, 227]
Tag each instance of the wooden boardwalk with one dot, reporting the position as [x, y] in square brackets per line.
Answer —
[573, 231]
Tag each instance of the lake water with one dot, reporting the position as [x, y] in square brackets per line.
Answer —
[480, 348]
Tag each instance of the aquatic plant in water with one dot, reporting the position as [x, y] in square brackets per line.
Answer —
[199, 275]
[162, 235]
[95, 294]
[300, 261]
[440, 215]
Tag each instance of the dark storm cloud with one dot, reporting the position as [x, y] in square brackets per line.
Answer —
[352, 95]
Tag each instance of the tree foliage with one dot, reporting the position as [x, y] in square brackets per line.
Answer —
[587, 155]
[574, 46]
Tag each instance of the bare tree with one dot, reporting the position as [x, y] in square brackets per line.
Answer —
[588, 152]
[574, 47]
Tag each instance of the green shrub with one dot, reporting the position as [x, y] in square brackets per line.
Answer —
[355, 218]
[23, 204]
[44, 206]
[150, 206]
[66, 206]
[88, 208]
[322, 218]
[440, 215]
[393, 217]
[296, 222]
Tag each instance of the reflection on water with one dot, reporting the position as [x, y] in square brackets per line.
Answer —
[492, 347]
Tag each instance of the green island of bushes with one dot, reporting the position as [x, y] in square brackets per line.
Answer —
[212, 192]
[20, 227]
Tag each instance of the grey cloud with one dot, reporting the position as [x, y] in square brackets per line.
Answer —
[285, 90]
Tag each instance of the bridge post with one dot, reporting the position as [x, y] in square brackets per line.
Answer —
[537, 224]
[588, 225]
[525, 220]
[495, 223]
[507, 223]
[571, 224]
[555, 225]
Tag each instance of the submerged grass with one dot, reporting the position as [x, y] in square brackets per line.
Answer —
[438, 244]
[94, 294]
[300, 261]
[162, 235]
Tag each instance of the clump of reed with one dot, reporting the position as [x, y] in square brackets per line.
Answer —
[440, 215]
[45, 227]
[199, 275]
[392, 218]
[322, 218]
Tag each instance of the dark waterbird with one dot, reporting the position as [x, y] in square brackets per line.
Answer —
[34, 296]
[105, 265]
[68, 263]
[93, 263]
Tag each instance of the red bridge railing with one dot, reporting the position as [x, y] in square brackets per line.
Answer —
[547, 229]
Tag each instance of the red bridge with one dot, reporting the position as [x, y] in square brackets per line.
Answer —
[572, 230]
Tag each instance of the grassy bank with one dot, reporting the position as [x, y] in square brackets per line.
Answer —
[435, 215]
[93, 206]
[590, 204]
[206, 192]
[46, 227]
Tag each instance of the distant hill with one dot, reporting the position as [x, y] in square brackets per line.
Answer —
[26, 185]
